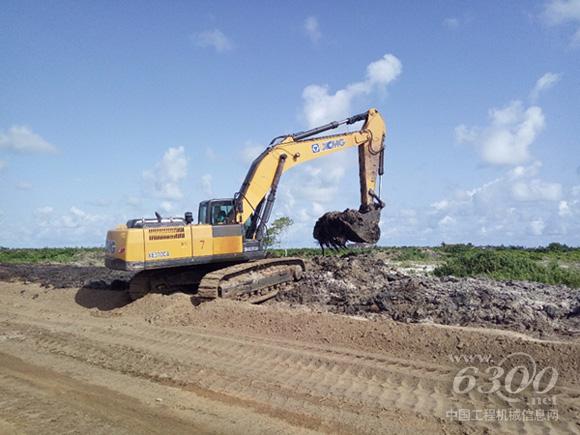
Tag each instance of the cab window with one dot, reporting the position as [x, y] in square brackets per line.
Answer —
[222, 213]
[202, 215]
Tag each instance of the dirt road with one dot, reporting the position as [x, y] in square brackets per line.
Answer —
[88, 361]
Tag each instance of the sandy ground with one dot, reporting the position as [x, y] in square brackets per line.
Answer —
[89, 361]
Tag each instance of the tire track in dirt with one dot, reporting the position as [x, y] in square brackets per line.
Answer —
[272, 369]
[191, 377]
[294, 378]
[34, 393]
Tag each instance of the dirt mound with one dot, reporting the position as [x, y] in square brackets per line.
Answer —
[367, 285]
[334, 229]
[66, 276]
[153, 307]
[364, 285]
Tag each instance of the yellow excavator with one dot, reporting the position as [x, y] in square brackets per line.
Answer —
[223, 254]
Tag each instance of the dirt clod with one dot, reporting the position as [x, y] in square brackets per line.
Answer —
[369, 286]
[66, 276]
[334, 229]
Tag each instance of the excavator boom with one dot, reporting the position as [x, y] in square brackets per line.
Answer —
[256, 197]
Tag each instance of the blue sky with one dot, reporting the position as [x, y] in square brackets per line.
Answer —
[113, 110]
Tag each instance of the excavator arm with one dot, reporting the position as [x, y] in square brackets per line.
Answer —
[256, 197]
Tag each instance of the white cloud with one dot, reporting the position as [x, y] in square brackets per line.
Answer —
[323, 181]
[575, 41]
[45, 210]
[320, 106]
[133, 201]
[167, 174]
[100, 202]
[23, 185]
[544, 83]
[75, 218]
[537, 226]
[506, 140]
[560, 12]
[213, 38]
[250, 152]
[490, 213]
[77, 212]
[312, 29]
[383, 71]
[22, 139]
[206, 184]
[517, 207]
[536, 190]
[167, 206]
[464, 134]
[210, 154]
[451, 23]
[447, 220]
[525, 171]
[564, 209]
[440, 205]
[72, 227]
[317, 208]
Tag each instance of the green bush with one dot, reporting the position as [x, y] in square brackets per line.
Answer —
[457, 248]
[506, 265]
[555, 247]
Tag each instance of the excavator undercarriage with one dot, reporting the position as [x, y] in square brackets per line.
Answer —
[253, 281]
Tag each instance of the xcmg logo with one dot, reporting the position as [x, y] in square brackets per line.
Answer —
[325, 146]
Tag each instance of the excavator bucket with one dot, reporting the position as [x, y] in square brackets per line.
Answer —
[334, 229]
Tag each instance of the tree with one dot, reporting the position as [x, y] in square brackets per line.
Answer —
[275, 231]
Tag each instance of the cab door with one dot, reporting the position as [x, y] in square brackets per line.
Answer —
[226, 233]
[202, 240]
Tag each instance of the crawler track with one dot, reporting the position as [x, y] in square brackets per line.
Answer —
[253, 282]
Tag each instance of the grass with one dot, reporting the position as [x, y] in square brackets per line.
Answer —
[552, 264]
[501, 263]
[411, 254]
[47, 255]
